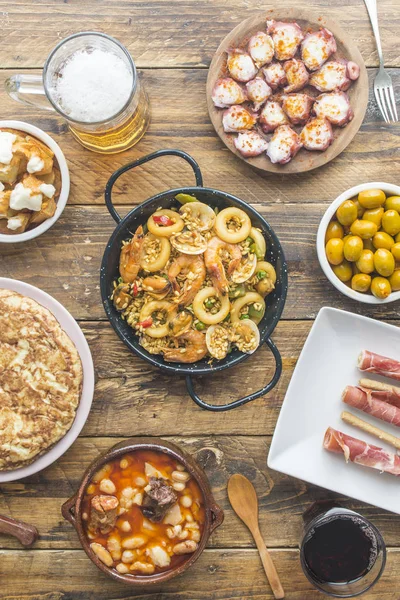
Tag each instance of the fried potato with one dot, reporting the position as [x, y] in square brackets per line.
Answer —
[57, 181]
[4, 204]
[24, 218]
[48, 209]
[9, 173]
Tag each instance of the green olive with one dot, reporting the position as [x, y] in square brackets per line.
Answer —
[347, 213]
[397, 238]
[384, 262]
[360, 209]
[375, 215]
[395, 250]
[394, 280]
[343, 271]
[380, 287]
[334, 251]
[366, 262]
[391, 222]
[393, 203]
[352, 248]
[364, 229]
[346, 237]
[361, 282]
[334, 230]
[382, 240]
[371, 198]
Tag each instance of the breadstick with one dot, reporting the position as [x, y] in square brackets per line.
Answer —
[364, 426]
[370, 384]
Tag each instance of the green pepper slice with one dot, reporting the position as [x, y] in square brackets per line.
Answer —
[185, 198]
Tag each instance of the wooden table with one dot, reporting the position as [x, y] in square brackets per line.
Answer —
[172, 43]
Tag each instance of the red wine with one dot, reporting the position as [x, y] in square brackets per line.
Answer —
[341, 549]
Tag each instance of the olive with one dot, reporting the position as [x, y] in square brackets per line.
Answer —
[346, 237]
[384, 262]
[375, 215]
[364, 229]
[360, 209]
[361, 282]
[393, 203]
[395, 250]
[382, 240]
[391, 222]
[352, 248]
[371, 198]
[343, 271]
[334, 230]
[380, 287]
[366, 262]
[334, 251]
[347, 213]
[397, 238]
[394, 280]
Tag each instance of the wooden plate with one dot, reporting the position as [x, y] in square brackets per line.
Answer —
[358, 91]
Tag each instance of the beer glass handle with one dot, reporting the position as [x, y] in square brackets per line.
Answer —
[141, 161]
[29, 90]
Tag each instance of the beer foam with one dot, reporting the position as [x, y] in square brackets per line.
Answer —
[93, 86]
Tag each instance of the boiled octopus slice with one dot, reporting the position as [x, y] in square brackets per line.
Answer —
[250, 144]
[237, 119]
[317, 47]
[317, 134]
[284, 145]
[275, 75]
[258, 91]
[335, 107]
[297, 107]
[335, 75]
[261, 49]
[240, 65]
[286, 37]
[272, 116]
[296, 75]
[227, 92]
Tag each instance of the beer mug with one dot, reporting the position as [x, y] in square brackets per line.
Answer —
[90, 79]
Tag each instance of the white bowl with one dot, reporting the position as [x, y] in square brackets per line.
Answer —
[73, 330]
[390, 190]
[62, 199]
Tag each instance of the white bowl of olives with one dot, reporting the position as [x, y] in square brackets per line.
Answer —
[358, 243]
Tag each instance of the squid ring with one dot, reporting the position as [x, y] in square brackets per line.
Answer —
[158, 331]
[165, 222]
[249, 298]
[163, 257]
[205, 316]
[232, 237]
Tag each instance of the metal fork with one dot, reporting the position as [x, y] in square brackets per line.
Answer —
[383, 86]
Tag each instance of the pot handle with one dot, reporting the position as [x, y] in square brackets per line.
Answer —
[67, 510]
[141, 161]
[25, 533]
[217, 517]
[250, 397]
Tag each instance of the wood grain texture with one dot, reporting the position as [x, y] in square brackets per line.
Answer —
[218, 575]
[309, 20]
[282, 499]
[168, 34]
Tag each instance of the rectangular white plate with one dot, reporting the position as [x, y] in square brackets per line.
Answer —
[327, 363]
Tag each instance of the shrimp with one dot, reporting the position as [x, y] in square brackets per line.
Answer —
[131, 254]
[194, 348]
[215, 267]
[195, 274]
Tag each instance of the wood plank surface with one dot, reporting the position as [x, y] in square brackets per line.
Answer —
[372, 154]
[168, 34]
[282, 499]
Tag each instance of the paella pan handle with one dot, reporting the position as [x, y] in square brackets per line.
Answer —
[141, 161]
[250, 397]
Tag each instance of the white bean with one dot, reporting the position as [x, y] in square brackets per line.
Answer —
[107, 487]
[128, 493]
[101, 473]
[124, 464]
[121, 568]
[187, 547]
[180, 467]
[85, 516]
[138, 499]
[186, 501]
[140, 481]
[135, 541]
[91, 489]
[195, 536]
[145, 568]
[113, 544]
[180, 476]
[102, 554]
[178, 486]
[125, 526]
[191, 526]
[128, 556]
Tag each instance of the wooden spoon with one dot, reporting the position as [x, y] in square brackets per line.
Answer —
[243, 499]
[25, 533]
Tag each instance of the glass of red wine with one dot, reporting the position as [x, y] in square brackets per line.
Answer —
[342, 553]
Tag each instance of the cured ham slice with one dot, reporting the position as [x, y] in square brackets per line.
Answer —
[382, 391]
[366, 401]
[360, 452]
[375, 363]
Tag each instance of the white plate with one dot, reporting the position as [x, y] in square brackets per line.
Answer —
[65, 182]
[73, 330]
[327, 363]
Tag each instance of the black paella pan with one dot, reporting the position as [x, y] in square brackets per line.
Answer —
[138, 216]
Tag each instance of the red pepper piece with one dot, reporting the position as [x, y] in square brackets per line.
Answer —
[146, 323]
[135, 289]
[163, 220]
